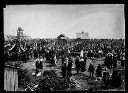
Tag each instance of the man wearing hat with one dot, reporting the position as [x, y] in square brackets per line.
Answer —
[77, 63]
[69, 67]
[114, 61]
[37, 64]
[123, 59]
[82, 64]
[91, 70]
[99, 71]
[108, 60]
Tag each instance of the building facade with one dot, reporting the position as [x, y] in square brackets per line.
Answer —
[82, 35]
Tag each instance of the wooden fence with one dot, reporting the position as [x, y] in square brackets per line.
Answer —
[10, 78]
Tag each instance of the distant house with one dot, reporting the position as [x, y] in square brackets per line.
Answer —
[62, 39]
[82, 35]
[62, 36]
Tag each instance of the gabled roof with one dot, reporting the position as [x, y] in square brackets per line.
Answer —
[62, 36]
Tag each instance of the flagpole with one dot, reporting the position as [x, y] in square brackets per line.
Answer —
[13, 32]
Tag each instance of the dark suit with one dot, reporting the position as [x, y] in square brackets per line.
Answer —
[77, 63]
[91, 70]
[69, 68]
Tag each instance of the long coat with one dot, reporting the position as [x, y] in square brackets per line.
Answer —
[115, 62]
[99, 71]
[41, 64]
[91, 68]
[108, 60]
[77, 63]
[64, 69]
[114, 81]
[69, 67]
[82, 65]
[106, 78]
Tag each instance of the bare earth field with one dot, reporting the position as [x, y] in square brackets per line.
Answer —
[82, 80]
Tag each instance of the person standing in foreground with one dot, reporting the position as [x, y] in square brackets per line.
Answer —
[37, 64]
[109, 60]
[123, 60]
[77, 63]
[114, 61]
[116, 79]
[119, 80]
[69, 67]
[106, 79]
[99, 71]
[64, 68]
[82, 64]
[91, 70]
[55, 59]
[41, 63]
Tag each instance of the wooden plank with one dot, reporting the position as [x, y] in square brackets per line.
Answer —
[14, 77]
[10, 89]
[5, 78]
[10, 79]
[8, 76]
[15, 74]
[16, 80]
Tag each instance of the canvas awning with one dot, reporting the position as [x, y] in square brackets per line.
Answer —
[12, 47]
[15, 49]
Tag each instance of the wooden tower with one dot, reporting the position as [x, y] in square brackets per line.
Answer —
[19, 34]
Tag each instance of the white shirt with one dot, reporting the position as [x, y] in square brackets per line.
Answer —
[41, 59]
[81, 54]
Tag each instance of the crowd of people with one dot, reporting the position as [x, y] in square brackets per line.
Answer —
[80, 66]
[112, 50]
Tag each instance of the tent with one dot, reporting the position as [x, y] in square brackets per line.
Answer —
[16, 49]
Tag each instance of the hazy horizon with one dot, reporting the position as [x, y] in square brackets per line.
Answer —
[49, 21]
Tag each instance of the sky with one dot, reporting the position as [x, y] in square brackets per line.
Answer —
[49, 21]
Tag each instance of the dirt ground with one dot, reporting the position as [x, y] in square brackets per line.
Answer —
[82, 80]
